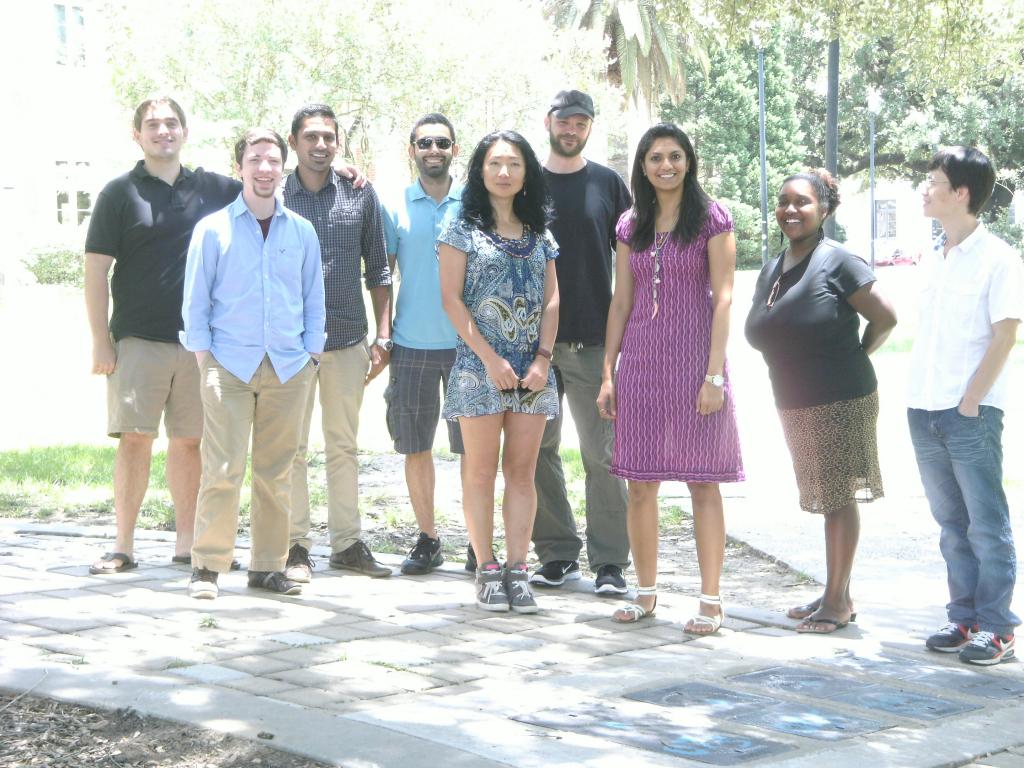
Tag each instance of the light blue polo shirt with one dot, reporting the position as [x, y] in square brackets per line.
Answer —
[411, 227]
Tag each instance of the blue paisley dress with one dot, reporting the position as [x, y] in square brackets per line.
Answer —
[504, 291]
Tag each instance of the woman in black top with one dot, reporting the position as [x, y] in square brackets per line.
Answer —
[804, 319]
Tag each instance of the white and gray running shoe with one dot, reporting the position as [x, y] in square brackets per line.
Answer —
[517, 583]
[490, 588]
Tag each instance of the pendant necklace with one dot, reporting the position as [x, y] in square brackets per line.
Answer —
[656, 279]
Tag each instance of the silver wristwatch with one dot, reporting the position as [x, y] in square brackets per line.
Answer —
[715, 379]
[385, 344]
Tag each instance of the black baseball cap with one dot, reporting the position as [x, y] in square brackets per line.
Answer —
[569, 103]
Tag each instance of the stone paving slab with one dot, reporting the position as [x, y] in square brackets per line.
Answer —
[811, 721]
[367, 672]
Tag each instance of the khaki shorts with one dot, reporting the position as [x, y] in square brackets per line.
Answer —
[150, 378]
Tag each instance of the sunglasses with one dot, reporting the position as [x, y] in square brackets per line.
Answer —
[774, 293]
[434, 141]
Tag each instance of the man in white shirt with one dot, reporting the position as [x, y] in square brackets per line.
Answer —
[970, 309]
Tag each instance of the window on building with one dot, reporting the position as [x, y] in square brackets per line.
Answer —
[74, 201]
[69, 25]
[885, 218]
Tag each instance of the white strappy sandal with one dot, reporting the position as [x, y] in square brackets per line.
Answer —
[712, 623]
[633, 612]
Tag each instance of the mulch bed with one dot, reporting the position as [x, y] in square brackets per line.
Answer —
[42, 732]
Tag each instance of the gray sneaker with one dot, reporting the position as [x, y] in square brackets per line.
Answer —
[490, 588]
[517, 584]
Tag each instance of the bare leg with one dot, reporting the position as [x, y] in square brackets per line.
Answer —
[709, 534]
[842, 533]
[481, 437]
[642, 525]
[419, 477]
[131, 479]
[184, 469]
[523, 433]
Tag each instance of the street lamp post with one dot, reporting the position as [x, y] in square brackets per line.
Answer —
[874, 104]
[755, 35]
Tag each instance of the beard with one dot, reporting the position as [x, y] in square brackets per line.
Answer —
[434, 171]
[558, 149]
[261, 192]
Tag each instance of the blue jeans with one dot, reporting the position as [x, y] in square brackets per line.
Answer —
[961, 464]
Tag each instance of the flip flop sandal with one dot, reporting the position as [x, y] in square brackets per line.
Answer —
[633, 612]
[126, 564]
[804, 627]
[801, 612]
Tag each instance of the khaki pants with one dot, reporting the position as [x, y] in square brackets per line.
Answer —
[341, 378]
[272, 413]
[578, 372]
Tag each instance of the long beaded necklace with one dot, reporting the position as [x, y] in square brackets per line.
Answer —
[656, 279]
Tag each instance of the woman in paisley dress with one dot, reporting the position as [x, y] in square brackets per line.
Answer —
[499, 289]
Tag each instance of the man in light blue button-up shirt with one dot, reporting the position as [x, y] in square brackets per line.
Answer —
[254, 315]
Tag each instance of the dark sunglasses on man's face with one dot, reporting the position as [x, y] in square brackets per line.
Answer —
[428, 141]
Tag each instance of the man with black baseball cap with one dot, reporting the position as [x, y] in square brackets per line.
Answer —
[588, 200]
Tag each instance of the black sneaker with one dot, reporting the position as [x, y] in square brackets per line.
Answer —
[359, 558]
[610, 581]
[203, 584]
[988, 648]
[951, 638]
[556, 572]
[471, 559]
[300, 565]
[424, 557]
[274, 581]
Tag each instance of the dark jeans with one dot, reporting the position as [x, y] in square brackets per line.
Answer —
[961, 464]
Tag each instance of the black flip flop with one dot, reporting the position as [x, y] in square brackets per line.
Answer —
[127, 564]
[835, 623]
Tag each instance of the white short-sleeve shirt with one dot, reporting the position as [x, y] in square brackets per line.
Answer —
[978, 283]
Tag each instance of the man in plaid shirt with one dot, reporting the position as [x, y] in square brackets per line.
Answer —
[348, 223]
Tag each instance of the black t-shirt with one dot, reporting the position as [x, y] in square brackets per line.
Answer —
[145, 224]
[810, 337]
[587, 205]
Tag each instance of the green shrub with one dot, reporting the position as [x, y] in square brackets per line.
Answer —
[1004, 228]
[747, 226]
[57, 265]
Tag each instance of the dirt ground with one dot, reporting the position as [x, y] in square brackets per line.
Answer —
[42, 732]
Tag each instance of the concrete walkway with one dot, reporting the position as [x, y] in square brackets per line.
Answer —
[408, 672]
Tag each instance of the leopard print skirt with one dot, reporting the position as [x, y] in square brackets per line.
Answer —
[835, 452]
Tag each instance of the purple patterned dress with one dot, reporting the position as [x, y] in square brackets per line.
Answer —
[659, 435]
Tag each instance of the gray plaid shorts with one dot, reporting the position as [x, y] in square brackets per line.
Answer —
[413, 400]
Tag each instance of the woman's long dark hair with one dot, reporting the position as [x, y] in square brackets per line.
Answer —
[532, 204]
[693, 208]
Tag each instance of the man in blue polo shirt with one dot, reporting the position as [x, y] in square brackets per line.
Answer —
[254, 315]
[424, 340]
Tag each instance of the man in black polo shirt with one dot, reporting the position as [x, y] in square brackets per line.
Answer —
[588, 200]
[141, 226]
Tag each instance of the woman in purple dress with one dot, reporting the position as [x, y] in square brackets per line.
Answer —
[669, 393]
